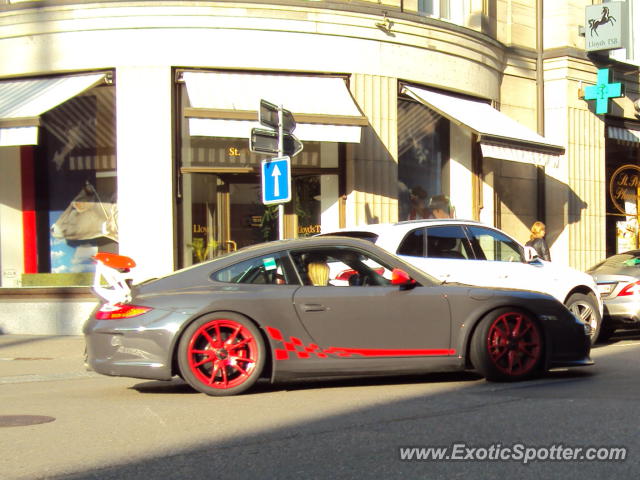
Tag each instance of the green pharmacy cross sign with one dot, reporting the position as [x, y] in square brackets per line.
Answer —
[603, 91]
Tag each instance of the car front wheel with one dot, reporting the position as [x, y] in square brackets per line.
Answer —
[221, 354]
[507, 346]
[585, 307]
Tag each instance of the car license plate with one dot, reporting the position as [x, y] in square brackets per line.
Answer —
[605, 288]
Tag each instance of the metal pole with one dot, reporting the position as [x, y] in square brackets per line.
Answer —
[280, 154]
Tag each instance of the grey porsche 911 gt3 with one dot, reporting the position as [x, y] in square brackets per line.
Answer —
[319, 308]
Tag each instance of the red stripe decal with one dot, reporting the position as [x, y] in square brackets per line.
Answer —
[307, 351]
[377, 352]
[275, 333]
[281, 354]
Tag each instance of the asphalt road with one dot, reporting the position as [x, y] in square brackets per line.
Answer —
[97, 427]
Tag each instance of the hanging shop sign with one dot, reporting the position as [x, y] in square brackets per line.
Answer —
[604, 26]
[603, 91]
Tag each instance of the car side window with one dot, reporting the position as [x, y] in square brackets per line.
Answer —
[340, 267]
[273, 269]
[494, 246]
[447, 241]
[412, 244]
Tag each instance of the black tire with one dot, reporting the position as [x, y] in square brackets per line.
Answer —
[507, 345]
[221, 354]
[585, 307]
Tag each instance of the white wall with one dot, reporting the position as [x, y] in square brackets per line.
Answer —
[145, 172]
[460, 171]
[11, 245]
[329, 204]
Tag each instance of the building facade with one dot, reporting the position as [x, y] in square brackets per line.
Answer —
[124, 127]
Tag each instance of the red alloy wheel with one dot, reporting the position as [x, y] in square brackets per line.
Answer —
[222, 354]
[514, 344]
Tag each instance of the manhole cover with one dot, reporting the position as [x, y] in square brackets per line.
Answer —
[23, 420]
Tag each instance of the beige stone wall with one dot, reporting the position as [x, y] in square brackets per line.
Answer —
[516, 23]
[518, 91]
[372, 165]
[576, 185]
[562, 21]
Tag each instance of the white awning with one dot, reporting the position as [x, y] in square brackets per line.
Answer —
[226, 105]
[500, 136]
[23, 101]
[624, 134]
[515, 154]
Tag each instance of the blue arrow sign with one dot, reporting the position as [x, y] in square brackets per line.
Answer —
[276, 180]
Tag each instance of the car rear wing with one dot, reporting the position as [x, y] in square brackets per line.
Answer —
[114, 270]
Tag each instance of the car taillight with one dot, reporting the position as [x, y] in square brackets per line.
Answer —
[120, 311]
[631, 289]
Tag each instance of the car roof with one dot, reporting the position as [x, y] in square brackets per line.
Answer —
[200, 273]
[407, 225]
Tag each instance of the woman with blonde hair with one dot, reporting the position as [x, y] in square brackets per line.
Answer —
[537, 241]
[318, 274]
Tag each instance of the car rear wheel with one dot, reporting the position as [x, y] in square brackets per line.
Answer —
[507, 346]
[221, 354]
[585, 307]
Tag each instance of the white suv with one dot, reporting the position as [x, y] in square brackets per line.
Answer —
[470, 252]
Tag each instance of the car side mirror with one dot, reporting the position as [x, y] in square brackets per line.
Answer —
[530, 254]
[401, 278]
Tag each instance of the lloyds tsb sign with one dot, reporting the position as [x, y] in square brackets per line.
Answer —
[604, 26]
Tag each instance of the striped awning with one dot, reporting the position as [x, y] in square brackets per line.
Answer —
[499, 135]
[623, 134]
[226, 105]
[22, 102]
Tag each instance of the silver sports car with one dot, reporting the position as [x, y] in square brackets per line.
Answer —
[319, 308]
[618, 279]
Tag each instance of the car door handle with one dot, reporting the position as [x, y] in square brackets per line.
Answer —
[313, 307]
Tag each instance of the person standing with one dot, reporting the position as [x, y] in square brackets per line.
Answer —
[538, 242]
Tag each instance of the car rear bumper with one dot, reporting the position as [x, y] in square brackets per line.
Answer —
[622, 310]
[124, 348]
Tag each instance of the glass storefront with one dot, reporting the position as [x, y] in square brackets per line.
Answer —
[221, 197]
[623, 195]
[423, 153]
[69, 181]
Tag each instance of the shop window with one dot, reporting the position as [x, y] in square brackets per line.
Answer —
[74, 185]
[423, 153]
[623, 182]
[221, 196]
[450, 10]
[307, 204]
